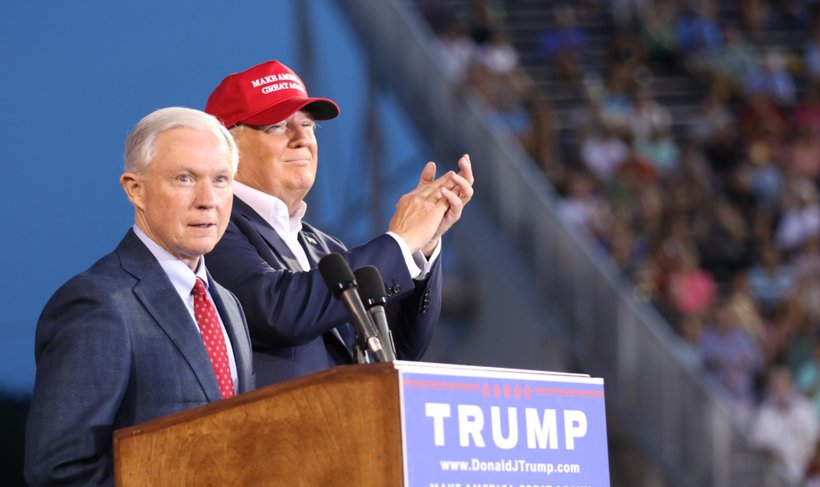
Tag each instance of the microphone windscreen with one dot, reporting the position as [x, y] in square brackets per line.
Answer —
[371, 286]
[337, 273]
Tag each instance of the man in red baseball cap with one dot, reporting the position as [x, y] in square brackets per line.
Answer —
[263, 95]
[268, 256]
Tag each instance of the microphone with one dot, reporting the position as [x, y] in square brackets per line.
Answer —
[341, 282]
[374, 297]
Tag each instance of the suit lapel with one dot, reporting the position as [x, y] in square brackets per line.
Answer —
[315, 249]
[313, 246]
[160, 299]
[235, 326]
[263, 228]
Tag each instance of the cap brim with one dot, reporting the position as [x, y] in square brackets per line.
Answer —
[320, 108]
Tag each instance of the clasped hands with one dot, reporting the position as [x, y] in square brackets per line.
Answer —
[424, 214]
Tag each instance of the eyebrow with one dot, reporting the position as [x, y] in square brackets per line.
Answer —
[266, 127]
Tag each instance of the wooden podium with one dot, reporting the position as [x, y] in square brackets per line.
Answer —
[388, 424]
[339, 427]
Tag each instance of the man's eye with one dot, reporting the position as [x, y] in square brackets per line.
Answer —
[184, 178]
[276, 128]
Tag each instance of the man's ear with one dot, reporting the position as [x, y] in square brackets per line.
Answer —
[134, 187]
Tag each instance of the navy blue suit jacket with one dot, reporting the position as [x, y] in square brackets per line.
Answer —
[115, 346]
[291, 314]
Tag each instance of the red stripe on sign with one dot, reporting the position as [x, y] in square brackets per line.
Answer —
[459, 386]
[567, 392]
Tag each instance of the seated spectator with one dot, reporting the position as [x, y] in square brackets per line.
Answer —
[691, 183]
[754, 15]
[506, 104]
[737, 188]
[673, 242]
[603, 152]
[800, 346]
[771, 280]
[660, 150]
[724, 152]
[626, 50]
[457, 50]
[589, 115]
[761, 118]
[731, 357]
[582, 207]
[540, 137]
[562, 45]
[690, 328]
[730, 64]
[500, 57]
[636, 189]
[811, 52]
[807, 379]
[807, 295]
[657, 33]
[616, 101]
[766, 175]
[800, 220]
[646, 282]
[813, 469]
[692, 289]
[785, 425]
[806, 112]
[647, 117]
[723, 237]
[697, 31]
[803, 153]
[745, 308]
[711, 117]
[627, 246]
[772, 79]
[505, 85]
[484, 17]
[806, 261]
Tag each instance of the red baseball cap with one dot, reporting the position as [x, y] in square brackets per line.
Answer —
[263, 95]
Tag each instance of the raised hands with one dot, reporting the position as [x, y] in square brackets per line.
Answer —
[423, 215]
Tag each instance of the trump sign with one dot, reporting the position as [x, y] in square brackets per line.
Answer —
[474, 426]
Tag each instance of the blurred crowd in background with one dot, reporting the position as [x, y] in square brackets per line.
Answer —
[710, 207]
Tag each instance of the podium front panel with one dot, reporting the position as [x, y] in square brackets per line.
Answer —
[477, 426]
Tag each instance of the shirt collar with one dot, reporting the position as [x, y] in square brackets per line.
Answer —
[180, 275]
[271, 209]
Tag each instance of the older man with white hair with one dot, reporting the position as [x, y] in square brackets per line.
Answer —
[144, 332]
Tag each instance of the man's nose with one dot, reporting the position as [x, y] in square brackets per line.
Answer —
[205, 194]
[299, 135]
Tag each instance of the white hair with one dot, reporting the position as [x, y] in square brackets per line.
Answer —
[139, 146]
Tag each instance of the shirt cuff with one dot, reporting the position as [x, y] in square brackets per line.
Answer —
[417, 264]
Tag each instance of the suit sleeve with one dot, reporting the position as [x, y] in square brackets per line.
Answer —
[290, 308]
[413, 317]
[82, 351]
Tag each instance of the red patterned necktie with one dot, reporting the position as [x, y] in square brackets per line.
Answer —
[208, 322]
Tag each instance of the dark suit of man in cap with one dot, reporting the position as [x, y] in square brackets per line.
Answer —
[268, 255]
[119, 344]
